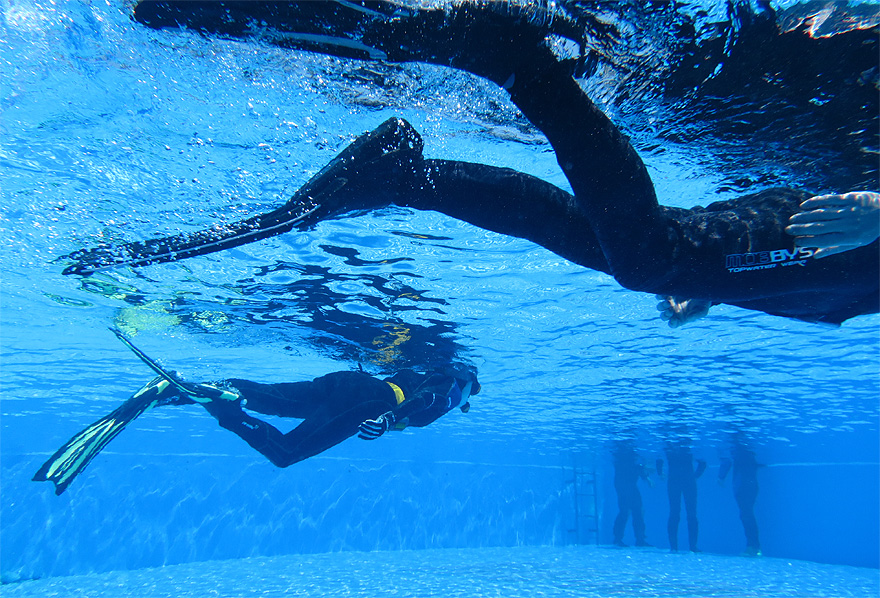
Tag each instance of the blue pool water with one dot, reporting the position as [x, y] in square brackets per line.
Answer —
[111, 132]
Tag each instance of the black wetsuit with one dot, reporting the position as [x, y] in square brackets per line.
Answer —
[734, 252]
[682, 484]
[331, 407]
[627, 471]
[745, 491]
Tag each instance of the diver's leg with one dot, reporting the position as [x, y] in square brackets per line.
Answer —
[612, 187]
[609, 179]
[508, 202]
[690, 507]
[674, 493]
[289, 399]
[638, 518]
[333, 406]
[314, 435]
[745, 500]
[622, 516]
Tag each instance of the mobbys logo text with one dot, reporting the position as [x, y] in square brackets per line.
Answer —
[765, 260]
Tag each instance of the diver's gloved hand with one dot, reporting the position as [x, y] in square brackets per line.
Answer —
[678, 312]
[836, 223]
[373, 428]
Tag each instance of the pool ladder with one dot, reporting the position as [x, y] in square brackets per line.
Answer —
[586, 506]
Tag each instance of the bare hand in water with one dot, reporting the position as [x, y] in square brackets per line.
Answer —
[836, 223]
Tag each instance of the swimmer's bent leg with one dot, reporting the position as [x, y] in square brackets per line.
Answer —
[333, 406]
[609, 179]
[501, 44]
[511, 203]
[311, 437]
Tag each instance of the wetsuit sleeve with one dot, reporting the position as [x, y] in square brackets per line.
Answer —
[423, 402]
[422, 410]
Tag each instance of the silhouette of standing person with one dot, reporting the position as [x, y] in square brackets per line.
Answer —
[628, 469]
[745, 491]
[682, 484]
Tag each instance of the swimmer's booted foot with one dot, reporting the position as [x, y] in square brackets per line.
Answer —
[494, 40]
[369, 173]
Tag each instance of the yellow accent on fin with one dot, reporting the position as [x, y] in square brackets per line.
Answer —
[74, 453]
[398, 394]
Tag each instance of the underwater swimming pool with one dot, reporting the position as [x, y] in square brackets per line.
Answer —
[112, 132]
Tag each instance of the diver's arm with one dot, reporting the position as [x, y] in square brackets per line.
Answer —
[427, 409]
[423, 407]
[393, 419]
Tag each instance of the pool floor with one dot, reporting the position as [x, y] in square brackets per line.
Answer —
[582, 571]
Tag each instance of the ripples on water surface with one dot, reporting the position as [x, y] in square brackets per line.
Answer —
[113, 132]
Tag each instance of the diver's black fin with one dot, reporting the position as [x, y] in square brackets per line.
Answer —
[72, 458]
[364, 175]
[178, 247]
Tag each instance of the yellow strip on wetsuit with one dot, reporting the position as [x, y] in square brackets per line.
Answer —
[398, 394]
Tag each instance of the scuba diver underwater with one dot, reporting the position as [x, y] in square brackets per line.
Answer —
[333, 408]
